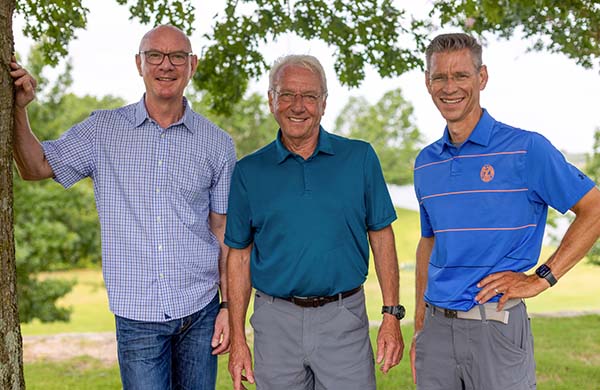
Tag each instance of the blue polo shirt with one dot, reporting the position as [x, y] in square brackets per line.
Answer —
[486, 203]
[308, 219]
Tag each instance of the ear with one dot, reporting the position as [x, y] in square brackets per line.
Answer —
[271, 102]
[324, 105]
[427, 81]
[483, 77]
[138, 63]
[193, 64]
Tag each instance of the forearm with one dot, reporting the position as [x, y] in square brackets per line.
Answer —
[240, 288]
[27, 149]
[580, 236]
[217, 225]
[386, 264]
[423, 255]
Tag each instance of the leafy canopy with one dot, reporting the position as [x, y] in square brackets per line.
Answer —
[362, 32]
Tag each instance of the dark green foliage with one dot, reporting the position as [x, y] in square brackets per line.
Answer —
[571, 27]
[155, 12]
[361, 32]
[54, 229]
[389, 126]
[53, 24]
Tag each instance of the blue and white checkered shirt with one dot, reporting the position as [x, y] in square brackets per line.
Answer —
[154, 189]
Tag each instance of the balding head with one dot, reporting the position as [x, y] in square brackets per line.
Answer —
[165, 29]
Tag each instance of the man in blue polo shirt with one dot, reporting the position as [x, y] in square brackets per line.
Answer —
[484, 189]
[300, 210]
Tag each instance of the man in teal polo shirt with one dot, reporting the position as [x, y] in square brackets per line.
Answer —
[300, 212]
[484, 189]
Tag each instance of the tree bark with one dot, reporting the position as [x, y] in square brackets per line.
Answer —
[11, 345]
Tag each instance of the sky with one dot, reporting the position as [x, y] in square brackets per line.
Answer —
[542, 92]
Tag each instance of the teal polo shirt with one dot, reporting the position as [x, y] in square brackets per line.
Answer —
[308, 219]
[486, 203]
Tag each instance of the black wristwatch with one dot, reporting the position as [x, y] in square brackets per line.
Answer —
[397, 311]
[544, 272]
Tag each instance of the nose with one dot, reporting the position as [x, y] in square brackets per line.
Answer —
[297, 103]
[450, 85]
[166, 63]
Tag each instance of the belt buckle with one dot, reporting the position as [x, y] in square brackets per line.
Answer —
[450, 313]
[318, 301]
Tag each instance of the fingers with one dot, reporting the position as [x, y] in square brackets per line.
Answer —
[220, 340]
[413, 356]
[389, 346]
[240, 363]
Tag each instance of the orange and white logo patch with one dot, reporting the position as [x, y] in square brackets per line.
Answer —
[487, 173]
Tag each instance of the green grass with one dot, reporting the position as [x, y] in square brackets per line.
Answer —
[567, 352]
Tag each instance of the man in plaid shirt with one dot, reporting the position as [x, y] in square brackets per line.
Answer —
[161, 175]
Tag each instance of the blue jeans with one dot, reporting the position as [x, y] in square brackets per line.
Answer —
[168, 355]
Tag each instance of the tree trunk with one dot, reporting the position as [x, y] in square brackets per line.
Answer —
[11, 346]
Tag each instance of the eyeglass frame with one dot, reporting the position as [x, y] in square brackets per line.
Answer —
[458, 78]
[290, 97]
[168, 55]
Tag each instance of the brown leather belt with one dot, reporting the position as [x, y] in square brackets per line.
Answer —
[320, 301]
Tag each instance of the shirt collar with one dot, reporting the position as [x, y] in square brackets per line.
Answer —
[480, 135]
[323, 146]
[141, 115]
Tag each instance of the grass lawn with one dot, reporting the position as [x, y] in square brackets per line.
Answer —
[567, 349]
[567, 352]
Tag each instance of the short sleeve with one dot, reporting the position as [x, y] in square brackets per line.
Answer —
[219, 192]
[552, 179]
[238, 232]
[426, 229]
[379, 206]
[72, 157]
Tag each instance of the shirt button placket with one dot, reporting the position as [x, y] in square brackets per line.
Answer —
[159, 208]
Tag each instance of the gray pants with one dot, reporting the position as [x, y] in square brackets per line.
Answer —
[320, 348]
[461, 354]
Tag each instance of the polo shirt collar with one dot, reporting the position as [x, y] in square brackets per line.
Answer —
[323, 146]
[141, 115]
[480, 135]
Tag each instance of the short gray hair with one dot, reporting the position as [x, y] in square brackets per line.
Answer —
[454, 42]
[303, 60]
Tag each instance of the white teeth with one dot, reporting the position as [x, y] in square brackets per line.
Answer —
[297, 119]
[451, 101]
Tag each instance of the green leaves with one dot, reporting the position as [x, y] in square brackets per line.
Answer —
[571, 27]
[53, 228]
[53, 23]
[361, 32]
[389, 126]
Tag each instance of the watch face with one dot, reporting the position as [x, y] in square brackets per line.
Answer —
[542, 271]
[401, 312]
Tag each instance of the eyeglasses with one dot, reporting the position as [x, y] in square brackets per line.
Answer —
[156, 57]
[290, 97]
[458, 78]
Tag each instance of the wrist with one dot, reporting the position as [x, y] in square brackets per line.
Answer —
[224, 305]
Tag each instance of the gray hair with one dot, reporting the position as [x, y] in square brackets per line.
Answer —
[453, 42]
[303, 60]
